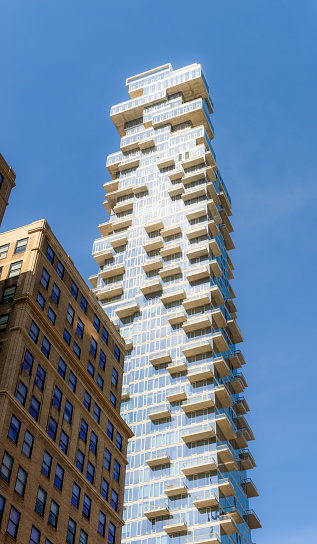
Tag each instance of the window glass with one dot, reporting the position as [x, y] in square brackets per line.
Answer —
[90, 472]
[40, 377]
[114, 378]
[27, 362]
[113, 400]
[72, 381]
[107, 460]
[13, 522]
[46, 464]
[96, 323]
[52, 428]
[91, 369]
[40, 501]
[45, 279]
[70, 314]
[100, 382]
[57, 398]
[6, 467]
[112, 533]
[15, 269]
[40, 300]
[66, 336]
[34, 332]
[74, 290]
[60, 269]
[83, 304]
[80, 460]
[53, 515]
[80, 328]
[119, 441]
[21, 393]
[63, 444]
[20, 482]
[46, 347]
[116, 470]
[75, 495]
[35, 408]
[116, 352]
[93, 347]
[102, 359]
[4, 251]
[77, 350]
[86, 506]
[110, 430]
[114, 500]
[14, 429]
[62, 368]
[71, 531]
[4, 321]
[104, 489]
[35, 536]
[2, 505]
[96, 413]
[21, 245]
[87, 400]
[59, 475]
[83, 539]
[83, 430]
[8, 294]
[27, 445]
[68, 412]
[56, 292]
[105, 335]
[51, 315]
[101, 523]
[50, 254]
[93, 442]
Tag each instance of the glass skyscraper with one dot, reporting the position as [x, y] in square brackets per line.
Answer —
[164, 281]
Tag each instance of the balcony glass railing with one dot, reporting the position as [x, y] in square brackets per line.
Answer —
[157, 455]
[202, 535]
[175, 483]
[130, 104]
[154, 506]
[205, 460]
[114, 158]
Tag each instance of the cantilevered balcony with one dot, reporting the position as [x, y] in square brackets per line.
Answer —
[234, 329]
[220, 341]
[227, 238]
[253, 520]
[165, 162]
[244, 425]
[205, 499]
[152, 244]
[176, 190]
[176, 318]
[129, 162]
[199, 373]
[146, 144]
[196, 231]
[160, 358]
[195, 111]
[226, 425]
[111, 271]
[124, 206]
[241, 406]
[178, 525]
[197, 323]
[109, 291]
[170, 249]
[195, 347]
[153, 225]
[213, 228]
[206, 537]
[117, 240]
[246, 460]
[223, 396]
[194, 192]
[216, 296]
[177, 366]
[152, 264]
[198, 402]
[236, 359]
[221, 366]
[197, 250]
[225, 219]
[172, 296]
[218, 319]
[196, 300]
[170, 270]
[170, 230]
[151, 286]
[128, 310]
[227, 457]
[238, 383]
[198, 465]
[111, 185]
[176, 394]
[102, 255]
[198, 432]
[227, 524]
[159, 412]
[249, 488]
[175, 488]
[142, 188]
[128, 344]
[176, 174]
[157, 458]
[156, 510]
[225, 488]
[125, 395]
[197, 274]
[94, 280]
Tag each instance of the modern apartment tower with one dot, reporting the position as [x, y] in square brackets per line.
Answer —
[164, 281]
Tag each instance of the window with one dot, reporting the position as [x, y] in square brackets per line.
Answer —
[105, 335]
[116, 352]
[87, 400]
[40, 377]
[45, 279]
[70, 314]
[40, 501]
[116, 470]
[71, 531]
[46, 347]
[50, 254]
[51, 315]
[96, 414]
[4, 251]
[93, 442]
[90, 472]
[102, 523]
[114, 378]
[112, 533]
[27, 445]
[15, 269]
[21, 393]
[13, 522]
[2, 505]
[35, 408]
[91, 369]
[47, 541]
[83, 430]
[119, 441]
[77, 350]
[34, 332]
[104, 489]
[80, 328]
[96, 323]
[27, 362]
[110, 430]
[62, 368]
[86, 507]
[102, 359]
[83, 304]
[80, 460]
[35, 536]
[57, 398]
[59, 475]
[93, 347]
[66, 336]
[20, 482]
[72, 381]
[68, 412]
[114, 500]
[83, 539]
[53, 515]
[74, 290]
[8, 294]
[107, 460]
[63, 443]
[75, 495]
[6, 467]
[100, 382]
[52, 428]
[4, 321]
[46, 464]
[40, 300]
[20, 246]
[56, 292]
[113, 400]
[14, 429]
[60, 269]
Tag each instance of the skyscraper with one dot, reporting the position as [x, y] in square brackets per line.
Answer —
[164, 280]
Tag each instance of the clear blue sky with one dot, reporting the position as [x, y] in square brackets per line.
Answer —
[64, 63]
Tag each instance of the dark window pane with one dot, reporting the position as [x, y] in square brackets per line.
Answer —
[50, 254]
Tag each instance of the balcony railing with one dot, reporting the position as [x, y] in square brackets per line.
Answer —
[207, 537]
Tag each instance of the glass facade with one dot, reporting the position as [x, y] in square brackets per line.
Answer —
[164, 280]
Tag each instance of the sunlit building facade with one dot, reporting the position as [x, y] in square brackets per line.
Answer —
[164, 273]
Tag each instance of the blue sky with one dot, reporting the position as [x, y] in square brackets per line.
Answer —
[63, 64]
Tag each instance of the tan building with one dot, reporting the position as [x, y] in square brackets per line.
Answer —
[63, 442]
[7, 182]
